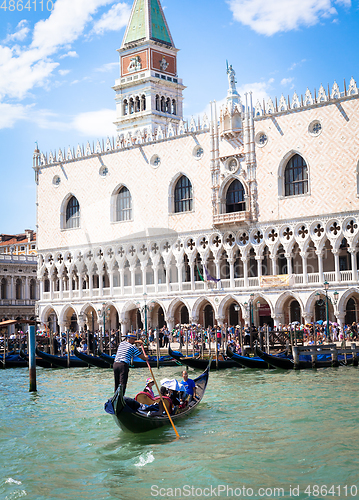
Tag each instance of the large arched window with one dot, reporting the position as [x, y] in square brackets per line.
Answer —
[72, 213]
[123, 205]
[296, 177]
[183, 195]
[235, 198]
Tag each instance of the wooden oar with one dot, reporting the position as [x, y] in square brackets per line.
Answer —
[159, 392]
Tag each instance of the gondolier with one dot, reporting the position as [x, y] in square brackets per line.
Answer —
[126, 350]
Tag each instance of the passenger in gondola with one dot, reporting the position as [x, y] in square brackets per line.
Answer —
[149, 387]
[189, 385]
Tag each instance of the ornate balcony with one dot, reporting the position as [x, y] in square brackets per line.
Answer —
[231, 218]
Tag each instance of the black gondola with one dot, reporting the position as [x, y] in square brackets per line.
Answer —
[39, 361]
[139, 363]
[255, 362]
[92, 360]
[201, 364]
[136, 420]
[304, 362]
[61, 361]
[12, 361]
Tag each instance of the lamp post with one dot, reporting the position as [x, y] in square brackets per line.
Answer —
[327, 299]
[144, 310]
[105, 313]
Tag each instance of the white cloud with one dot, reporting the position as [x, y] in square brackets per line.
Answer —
[22, 69]
[286, 81]
[96, 123]
[71, 53]
[20, 34]
[268, 18]
[113, 20]
[64, 72]
[11, 113]
[108, 67]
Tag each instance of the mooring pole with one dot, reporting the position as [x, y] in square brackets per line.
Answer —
[32, 360]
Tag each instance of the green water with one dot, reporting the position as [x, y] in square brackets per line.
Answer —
[254, 429]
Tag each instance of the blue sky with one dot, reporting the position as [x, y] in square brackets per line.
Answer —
[57, 68]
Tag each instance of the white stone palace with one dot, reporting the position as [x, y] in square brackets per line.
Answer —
[263, 197]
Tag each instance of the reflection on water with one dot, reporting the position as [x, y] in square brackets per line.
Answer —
[254, 428]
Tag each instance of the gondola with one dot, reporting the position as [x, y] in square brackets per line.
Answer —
[305, 362]
[255, 362]
[92, 360]
[61, 361]
[12, 361]
[201, 364]
[39, 361]
[140, 363]
[136, 420]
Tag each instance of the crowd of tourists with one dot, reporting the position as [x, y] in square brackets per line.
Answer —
[193, 335]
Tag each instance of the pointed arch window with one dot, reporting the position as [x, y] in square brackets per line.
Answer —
[72, 213]
[296, 176]
[183, 195]
[235, 197]
[123, 205]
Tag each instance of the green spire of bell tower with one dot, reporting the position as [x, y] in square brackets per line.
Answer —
[147, 22]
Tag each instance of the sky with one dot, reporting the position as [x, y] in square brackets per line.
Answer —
[58, 64]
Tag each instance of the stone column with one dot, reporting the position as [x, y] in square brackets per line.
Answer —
[274, 264]
[51, 279]
[41, 281]
[320, 265]
[100, 283]
[259, 259]
[191, 264]
[170, 323]
[90, 286]
[340, 319]
[288, 256]
[122, 280]
[306, 317]
[155, 277]
[245, 271]
[133, 278]
[336, 264]
[81, 277]
[70, 285]
[231, 272]
[304, 264]
[12, 294]
[61, 286]
[110, 275]
[278, 320]
[218, 272]
[180, 275]
[353, 255]
[143, 270]
[27, 288]
[168, 284]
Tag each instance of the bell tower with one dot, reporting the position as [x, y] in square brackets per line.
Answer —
[149, 92]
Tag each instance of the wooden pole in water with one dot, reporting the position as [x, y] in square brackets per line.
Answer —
[158, 348]
[32, 359]
[68, 347]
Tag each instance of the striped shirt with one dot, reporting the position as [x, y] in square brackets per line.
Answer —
[125, 352]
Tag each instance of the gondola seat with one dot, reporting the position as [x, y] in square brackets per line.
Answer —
[145, 398]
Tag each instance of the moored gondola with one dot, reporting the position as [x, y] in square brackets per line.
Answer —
[200, 364]
[39, 361]
[12, 360]
[130, 418]
[61, 361]
[93, 360]
[305, 362]
[247, 362]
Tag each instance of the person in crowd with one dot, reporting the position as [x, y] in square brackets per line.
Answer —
[126, 350]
